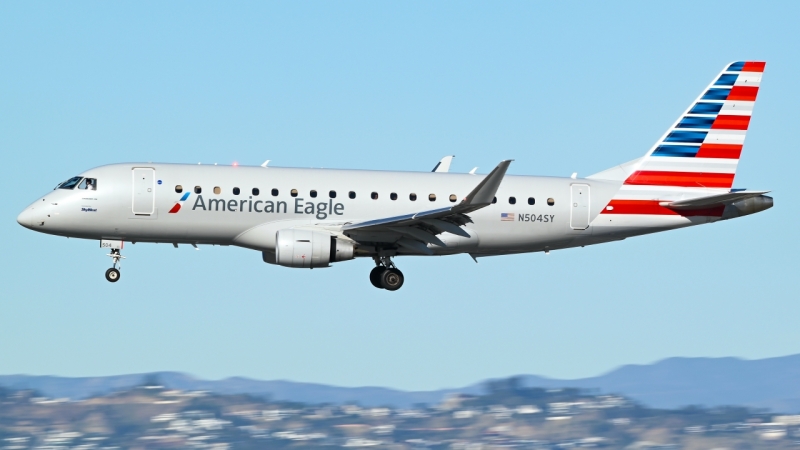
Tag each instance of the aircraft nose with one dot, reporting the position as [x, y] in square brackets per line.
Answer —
[25, 218]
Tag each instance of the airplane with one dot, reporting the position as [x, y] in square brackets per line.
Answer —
[313, 218]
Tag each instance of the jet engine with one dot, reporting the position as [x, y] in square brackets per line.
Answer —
[309, 249]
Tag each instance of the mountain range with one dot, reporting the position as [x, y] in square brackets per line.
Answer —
[772, 383]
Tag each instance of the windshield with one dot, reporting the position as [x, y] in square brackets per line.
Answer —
[70, 184]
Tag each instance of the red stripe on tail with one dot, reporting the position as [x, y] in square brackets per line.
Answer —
[744, 93]
[729, 151]
[754, 66]
[731, 123]
[683, 179]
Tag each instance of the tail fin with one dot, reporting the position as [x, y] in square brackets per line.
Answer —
[700, 152]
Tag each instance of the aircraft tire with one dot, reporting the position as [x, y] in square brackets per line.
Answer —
[112, 275]
[375, 276]
[392, 279]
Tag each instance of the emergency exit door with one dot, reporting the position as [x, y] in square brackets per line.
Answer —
[579, 207]
[144, 191]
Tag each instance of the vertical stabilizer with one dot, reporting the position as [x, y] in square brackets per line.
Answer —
[699, 153]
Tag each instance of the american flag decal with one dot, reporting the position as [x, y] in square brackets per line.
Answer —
[506, 217]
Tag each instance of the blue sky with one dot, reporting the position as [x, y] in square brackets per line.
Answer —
[559, 87]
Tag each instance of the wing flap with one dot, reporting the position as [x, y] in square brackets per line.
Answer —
[418, 234]
[446, 226]
[397, 220]
[415, 246]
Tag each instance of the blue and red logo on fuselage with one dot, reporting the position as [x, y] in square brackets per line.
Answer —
[179, 203]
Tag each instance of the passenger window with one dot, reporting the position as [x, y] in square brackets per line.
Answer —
[453, 198]
[236, 191]
[352, 194]
[332, 194]
[217, 190]
[432, 197]
[293, 193]
[512, 200]
[393, 196]
[274, 192]
[313, 194]
[412, 197]
[256, 191]
[531, 201]
[179, 189]
[374, 195]
[551, 202]
[198, 190]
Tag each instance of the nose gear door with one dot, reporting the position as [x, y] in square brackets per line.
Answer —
[144, 191]
[579, 207]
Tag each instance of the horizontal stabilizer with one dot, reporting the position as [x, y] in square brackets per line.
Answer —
[712, 200]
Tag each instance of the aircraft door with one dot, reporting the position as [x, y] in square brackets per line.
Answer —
[144, 190]
[579, 208]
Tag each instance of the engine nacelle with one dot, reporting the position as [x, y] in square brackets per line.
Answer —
[308, 249]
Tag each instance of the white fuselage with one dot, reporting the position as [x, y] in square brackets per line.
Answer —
[225, 218]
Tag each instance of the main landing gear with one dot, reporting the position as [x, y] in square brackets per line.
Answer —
[112, 274]
[385, 275]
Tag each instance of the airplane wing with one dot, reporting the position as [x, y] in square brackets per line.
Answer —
[414, 231]
[712, 200]
[444, 164]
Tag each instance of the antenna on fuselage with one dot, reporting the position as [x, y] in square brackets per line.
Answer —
[472, 172]
[266, 163]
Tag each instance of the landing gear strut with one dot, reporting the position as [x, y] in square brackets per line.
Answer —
[385, 275]
[112, 274]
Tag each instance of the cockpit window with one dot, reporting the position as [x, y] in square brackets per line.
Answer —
[89, 184]
[70, 184]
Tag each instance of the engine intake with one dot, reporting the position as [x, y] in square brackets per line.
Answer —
[308, 249]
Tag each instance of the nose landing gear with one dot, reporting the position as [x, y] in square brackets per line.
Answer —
[112, 274]
[385, 275]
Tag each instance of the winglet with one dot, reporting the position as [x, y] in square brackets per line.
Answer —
[444, 164]
[484, 192]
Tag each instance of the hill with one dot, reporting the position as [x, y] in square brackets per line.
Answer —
[671, 383]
